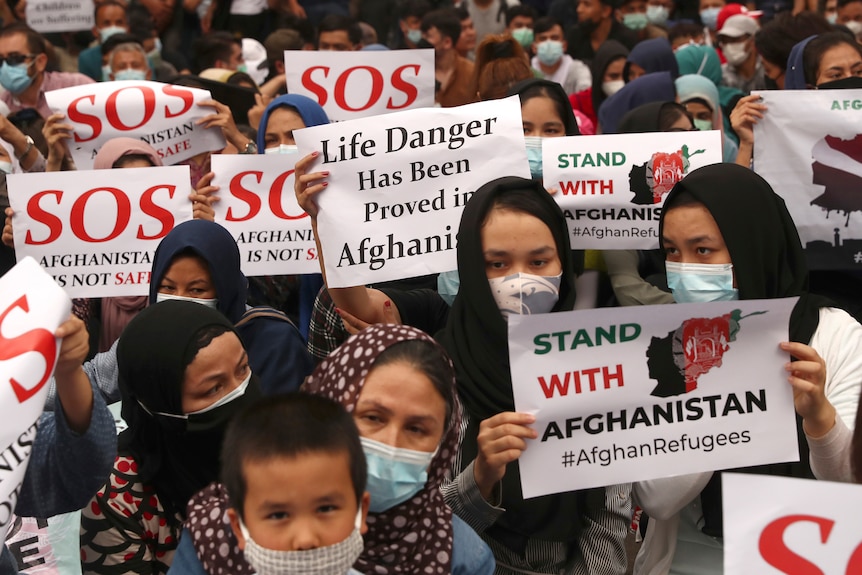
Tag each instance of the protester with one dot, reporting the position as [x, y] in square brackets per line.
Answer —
[703, 60]
[410, 15]
[726, 215]
[183, 374]
[596, 25]
[635, 15]
[776, 39]
[552, 61]
[648, 57]
[520, 20]
[743, 69]
[338, 33]
[129, 62]
[700, 98]
[656, 87]
[453, 74]
[500, 64]
[467, 40]
[607, 74]
[110, 19]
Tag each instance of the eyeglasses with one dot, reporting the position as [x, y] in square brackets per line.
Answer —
[16, 59]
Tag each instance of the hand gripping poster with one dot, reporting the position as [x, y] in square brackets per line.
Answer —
[637, 393]
[612, 188]
[808, 146]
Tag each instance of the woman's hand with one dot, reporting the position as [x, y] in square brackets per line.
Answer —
[306, 186]
[744, 116]
[354, 325]
[202, 198]
[56, 133]
[222, 118]
[502, 439]
[808, 378]
[255, 113]
[8, 238]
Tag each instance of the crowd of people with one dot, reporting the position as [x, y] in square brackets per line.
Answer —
[275, 426]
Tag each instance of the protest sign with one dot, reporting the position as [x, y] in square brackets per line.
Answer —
[98, 240]
[32, 307]
[162, 115]
[350, 85]
[781, 525]
[258, 207]
[45, 16]
[628, 394]
[46, 546]
[399, 182]
[809, 149]
[612, 188]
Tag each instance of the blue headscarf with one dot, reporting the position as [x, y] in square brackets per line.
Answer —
[794, 76]
[654, 55]
[309, 110]
[657, 87]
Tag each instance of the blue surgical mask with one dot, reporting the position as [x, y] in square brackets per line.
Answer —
[524, 37]
[832, 17]
[448, 284]
[108, 31]
[242, 68]
[657, 15]
[635, 21]
[130, 74]
[534, 155]
[15, 78]
[414, 35]
[709, 17]
[283, 149]
[550, 52]
[106, 73]
[394, 475]
[701, 283]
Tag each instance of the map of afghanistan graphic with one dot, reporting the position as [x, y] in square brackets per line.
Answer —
[838, 167]
[650, 181]
[677, 360]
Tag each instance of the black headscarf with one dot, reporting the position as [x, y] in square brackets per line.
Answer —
[476, 337]
[768, 262]
[152, 356]
[643, 119]
[556, 92]
[609, 51]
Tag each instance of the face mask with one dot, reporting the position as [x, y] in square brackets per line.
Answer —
[657, 14]
[534, 155]
[524, 37]
[414, 35]
[448, 284]
[106, 73]
[6, 167]
[242, 68]
[335, 559]
[851, 83]
[210, 303]
[526, 294]
[701, 282]
[550, 52]
[709, 17]
[635, 21]
[832, 18]
[612, 87]
[283, 149]
[702, 124]
[130, 74]
[15, 78]
[855, 27]
[735, 53]
[108, 31]
[394, 475]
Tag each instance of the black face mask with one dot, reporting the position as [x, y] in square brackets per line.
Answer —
[221, 415]
[850, 83]
[423, 43]
[771, 84]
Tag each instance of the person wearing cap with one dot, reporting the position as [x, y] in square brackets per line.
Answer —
[743, 69]
[597, 24]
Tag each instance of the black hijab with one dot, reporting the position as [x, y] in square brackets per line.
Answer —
[476, 337]
[643, 119]
[609, 51]
[768, 262]
[152, 356]
[554, 91]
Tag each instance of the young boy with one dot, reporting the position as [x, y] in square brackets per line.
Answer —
[295, 473]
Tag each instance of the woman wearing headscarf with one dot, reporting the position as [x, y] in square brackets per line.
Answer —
[607, 73]
[650, 56]
[700, 97]
[704, 61]
[726, 214]
[183, 373]
[655, 87]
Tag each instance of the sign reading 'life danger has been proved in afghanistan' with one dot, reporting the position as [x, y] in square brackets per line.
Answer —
[629, 394]
[612, 188]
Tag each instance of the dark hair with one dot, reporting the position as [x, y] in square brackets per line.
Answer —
[462, 12]
[524, 10]
[445, 21]
[240, 78]
[843, 3]
[430, 359]
[414, 8]
[36, 43]
[30, 122]
[203, 338]
[542, 25]
[500, 64]
[118, 39]
[540, 91]
[522, 200]
[668, 115]
[109, 4]
[339, 22]
[141, 24]
[128, 158]
[213, 47]
[684, 29]
[814, 51]
[778, 37]
[289, 426]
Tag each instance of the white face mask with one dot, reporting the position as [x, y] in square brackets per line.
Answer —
[335, 559]
[526, 294]
[612, 87]
[210, 303]
[6, 167]
[283, 149]
[735, 53]
[236, 393]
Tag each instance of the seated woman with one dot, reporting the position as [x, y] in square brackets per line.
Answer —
[400, 387]
[183, 374]
[726, 214]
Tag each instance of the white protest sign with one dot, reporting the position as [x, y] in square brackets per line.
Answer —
[258, 207]
[636, 393]
[399, 182]
[60, 15]
[612, 188]
[162, 115]
[782, 525]
[98, 239]
[350, 85]
[32, 307]
[809, 149]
